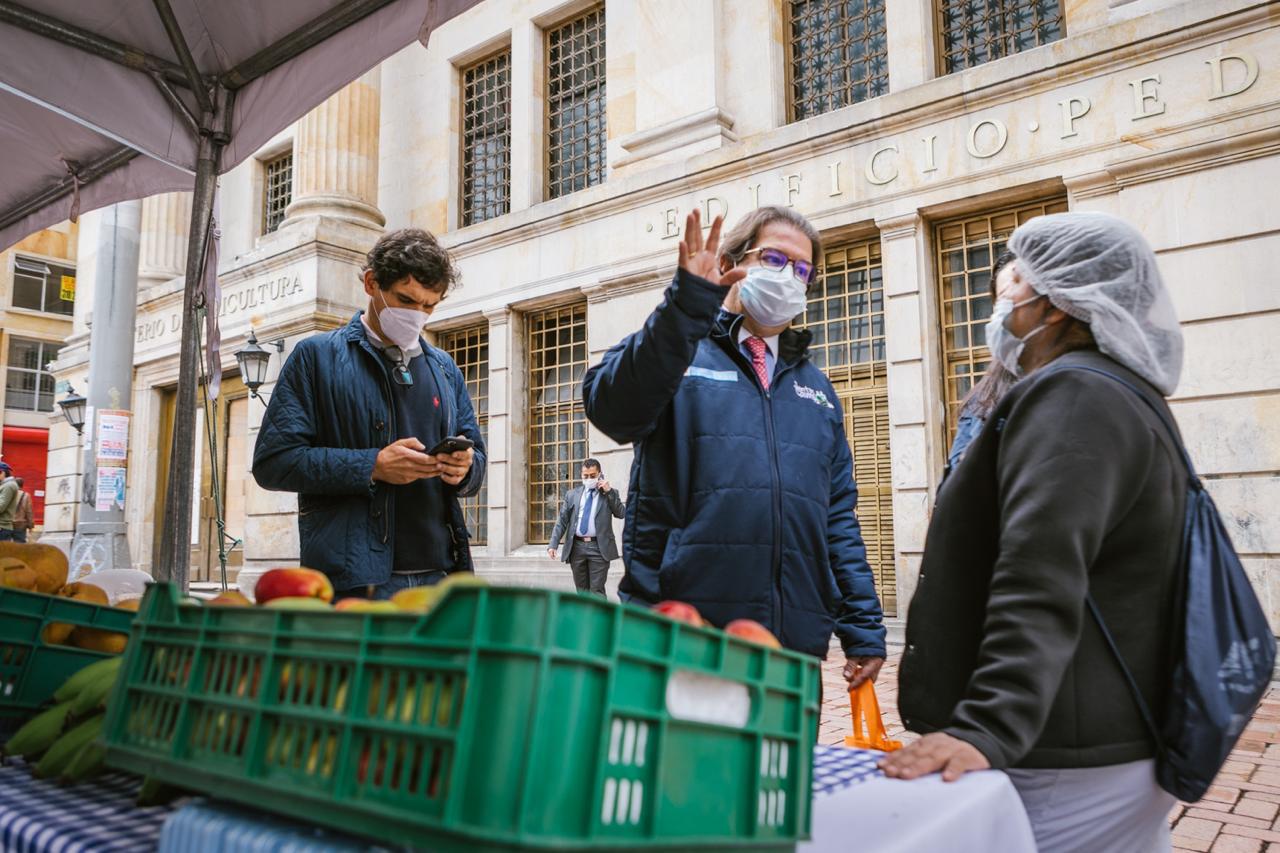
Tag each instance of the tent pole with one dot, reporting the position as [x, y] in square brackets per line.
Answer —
[174, 559]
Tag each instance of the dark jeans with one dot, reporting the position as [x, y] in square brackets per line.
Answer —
[394, 585]
[20, 535]
[590, 568]
[6, 535]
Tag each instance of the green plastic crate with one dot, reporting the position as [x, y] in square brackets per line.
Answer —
[505, 719]
[31, 669]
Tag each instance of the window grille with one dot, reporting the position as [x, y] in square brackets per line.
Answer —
[576, 104]
[486, 139]
[971, 32]
[557, 353]
[469, 348]
[837, 54]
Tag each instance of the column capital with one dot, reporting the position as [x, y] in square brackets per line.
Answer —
[899, 227]
[498, 316]
[1091, 185]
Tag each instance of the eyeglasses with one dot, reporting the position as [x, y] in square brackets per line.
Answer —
[773, 259]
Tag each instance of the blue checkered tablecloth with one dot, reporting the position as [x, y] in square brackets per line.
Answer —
[838, 767]
[99, 816]
[95, 817]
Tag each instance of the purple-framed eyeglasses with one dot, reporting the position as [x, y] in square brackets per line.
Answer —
[774, 259]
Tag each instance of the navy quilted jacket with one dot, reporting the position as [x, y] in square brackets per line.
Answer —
[741, 500]
[329, 415]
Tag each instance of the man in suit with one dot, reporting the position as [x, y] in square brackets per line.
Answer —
[586, 525]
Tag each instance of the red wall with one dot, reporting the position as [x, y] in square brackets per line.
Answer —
[27, 451]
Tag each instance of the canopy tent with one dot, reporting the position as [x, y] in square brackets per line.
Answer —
[106, 102]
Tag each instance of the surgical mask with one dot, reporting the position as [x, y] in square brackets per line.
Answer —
[1005, 346]
[589, 482]
[772, 297]
[401, 326]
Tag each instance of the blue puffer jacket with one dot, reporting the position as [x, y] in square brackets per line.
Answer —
[330, 414]
[741, 500]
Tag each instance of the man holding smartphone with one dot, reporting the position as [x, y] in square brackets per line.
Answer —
[586, 526]
[374, 429]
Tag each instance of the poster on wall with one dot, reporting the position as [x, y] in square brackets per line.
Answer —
[110, 491]
[113, 435]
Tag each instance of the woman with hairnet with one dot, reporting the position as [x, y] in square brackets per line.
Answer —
[1072, 488]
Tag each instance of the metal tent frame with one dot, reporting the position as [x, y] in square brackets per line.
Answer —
[203, 105]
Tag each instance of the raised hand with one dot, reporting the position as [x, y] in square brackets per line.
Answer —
[702, 257]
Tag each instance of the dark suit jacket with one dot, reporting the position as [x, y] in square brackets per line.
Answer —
[567, 523]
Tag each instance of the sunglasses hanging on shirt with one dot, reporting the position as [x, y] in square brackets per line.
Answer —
[400, 370]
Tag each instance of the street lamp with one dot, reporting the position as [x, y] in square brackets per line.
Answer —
[253, 360]
[72, 407]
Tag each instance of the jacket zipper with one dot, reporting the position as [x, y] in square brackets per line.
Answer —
[771, 432]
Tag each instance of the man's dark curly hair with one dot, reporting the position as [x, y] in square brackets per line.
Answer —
[412, 251]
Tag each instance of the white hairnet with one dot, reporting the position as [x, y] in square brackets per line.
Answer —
[1101, 271]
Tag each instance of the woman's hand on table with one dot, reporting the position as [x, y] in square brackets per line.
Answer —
[933, 753]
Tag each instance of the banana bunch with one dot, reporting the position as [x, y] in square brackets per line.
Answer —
[63, 740]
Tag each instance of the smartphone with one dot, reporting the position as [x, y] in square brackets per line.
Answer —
[451, 445]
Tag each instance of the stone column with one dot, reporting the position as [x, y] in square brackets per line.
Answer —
[507, 427]
[101, 539]
[911, 42]
[166, 219]
[679, 86]
[916, 411]
[335, 157]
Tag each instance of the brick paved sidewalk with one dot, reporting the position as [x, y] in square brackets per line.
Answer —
[1238, 815]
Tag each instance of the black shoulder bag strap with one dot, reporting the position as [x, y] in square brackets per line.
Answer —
[1143, 709]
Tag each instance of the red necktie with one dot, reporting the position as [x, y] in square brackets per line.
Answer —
[758, 347]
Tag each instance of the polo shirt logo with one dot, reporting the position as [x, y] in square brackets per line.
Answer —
[819, 397]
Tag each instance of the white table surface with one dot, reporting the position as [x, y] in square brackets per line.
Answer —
[979, 813]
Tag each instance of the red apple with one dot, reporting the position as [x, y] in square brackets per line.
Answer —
[680, 612]
[752, 631]
[293, 583]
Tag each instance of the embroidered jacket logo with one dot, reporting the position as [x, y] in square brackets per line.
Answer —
[818, 397]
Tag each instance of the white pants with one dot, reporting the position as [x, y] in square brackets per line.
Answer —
[1097, 809]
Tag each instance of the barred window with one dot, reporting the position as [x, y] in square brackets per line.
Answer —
[469, 348]
[277, 190]
[967, 249]
[557, 350]
[486, 139]
[846, 315]
[837, 54]
[576, 104]
[972, 32]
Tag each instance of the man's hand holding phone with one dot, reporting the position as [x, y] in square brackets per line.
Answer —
[404, 462]
[454, 456]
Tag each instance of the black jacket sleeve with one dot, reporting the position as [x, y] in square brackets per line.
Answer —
[1073, 458]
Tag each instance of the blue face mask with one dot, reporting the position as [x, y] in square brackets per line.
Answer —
[1005, 346]
[772, 297]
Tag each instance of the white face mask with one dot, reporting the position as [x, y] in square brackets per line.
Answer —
[772, 297]
[1005, 346]
[401, 326]
[590, 482]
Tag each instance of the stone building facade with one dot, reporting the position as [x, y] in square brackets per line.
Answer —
[556, 148]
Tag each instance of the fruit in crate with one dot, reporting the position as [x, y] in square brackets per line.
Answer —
[97, 640]
[47, 562]
[679, 611]
[293, 583]
[230, 598]
[364, 605]
[752, 631]
[59, 633]
[416, 599]
[297, 602]
[17, 575]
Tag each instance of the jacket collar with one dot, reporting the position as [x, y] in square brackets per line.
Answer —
[793, 343]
